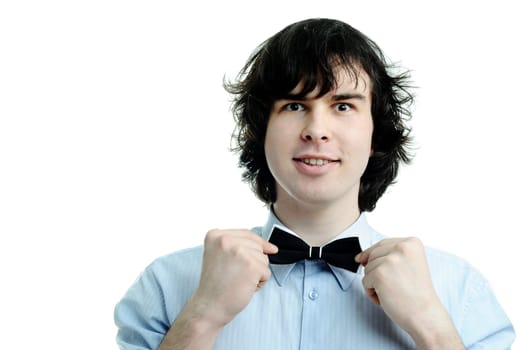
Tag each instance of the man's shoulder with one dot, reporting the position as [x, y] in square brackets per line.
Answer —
[447, 269]
[455, 279]
[438, 259]
[179, 260]
[443, 260]
[186, 260]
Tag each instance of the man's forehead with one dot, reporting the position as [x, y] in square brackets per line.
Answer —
[348, 79]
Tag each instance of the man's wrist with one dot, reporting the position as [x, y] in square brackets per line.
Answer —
[434, 330]
[193, 329]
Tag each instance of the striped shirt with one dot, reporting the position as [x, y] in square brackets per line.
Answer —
[309, 304]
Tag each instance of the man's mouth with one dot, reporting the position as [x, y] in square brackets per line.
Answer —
[314, 161]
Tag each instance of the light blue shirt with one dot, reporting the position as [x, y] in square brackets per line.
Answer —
[310, 305]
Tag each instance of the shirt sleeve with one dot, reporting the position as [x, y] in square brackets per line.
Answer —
[140, 315]
[485, 325]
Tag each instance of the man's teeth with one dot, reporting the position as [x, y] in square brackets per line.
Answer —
[317, 162]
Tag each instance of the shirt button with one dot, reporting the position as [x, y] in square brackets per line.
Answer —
[313, 294]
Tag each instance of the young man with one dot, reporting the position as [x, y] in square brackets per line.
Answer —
[321, 134]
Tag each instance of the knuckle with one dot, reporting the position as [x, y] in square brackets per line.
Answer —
[382, 273]
[211, 235]
[267, 273]
[408, 245]
[237, 251]
[414, 241]
[218, 240]
[391, 260]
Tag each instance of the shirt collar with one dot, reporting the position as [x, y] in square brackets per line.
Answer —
[360, 228]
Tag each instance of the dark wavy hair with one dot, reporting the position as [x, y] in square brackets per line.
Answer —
[307, 52]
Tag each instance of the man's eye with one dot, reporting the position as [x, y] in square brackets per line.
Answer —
[294, 107]
[343, 107]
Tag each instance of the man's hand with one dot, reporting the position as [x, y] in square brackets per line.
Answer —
[397, 277]
[235, 266]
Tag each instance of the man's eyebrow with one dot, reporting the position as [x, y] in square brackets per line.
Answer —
[350, 96]
[293, 97]
[336, 97]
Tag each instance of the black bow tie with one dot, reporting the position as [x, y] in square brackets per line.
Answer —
[339, 253]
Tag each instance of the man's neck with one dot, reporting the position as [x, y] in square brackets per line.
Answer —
[316, 225]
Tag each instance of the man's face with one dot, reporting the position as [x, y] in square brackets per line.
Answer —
[318, 148]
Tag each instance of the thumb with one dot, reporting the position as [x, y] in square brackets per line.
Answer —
[269, 248]
[362, 257]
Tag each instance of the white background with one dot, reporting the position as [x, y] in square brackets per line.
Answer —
[114, 136]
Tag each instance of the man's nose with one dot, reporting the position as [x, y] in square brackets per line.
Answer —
[316, 128]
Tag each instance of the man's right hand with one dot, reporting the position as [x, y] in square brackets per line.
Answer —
[235, 266]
